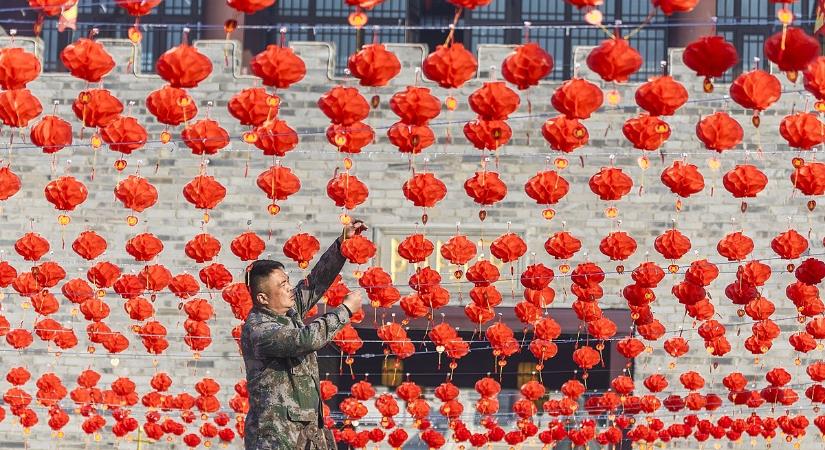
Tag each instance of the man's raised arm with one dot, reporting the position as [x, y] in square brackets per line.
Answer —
[274, 340]
[311, 289]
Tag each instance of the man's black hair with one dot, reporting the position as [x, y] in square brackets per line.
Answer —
[257, 272]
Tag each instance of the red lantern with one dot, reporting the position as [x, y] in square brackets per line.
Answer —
[458, 250]
[669, 7]
[31, 246]
[66, 193]
[672, 244]
[710, 56]
[618, 246]
[278, 183]
[52, 134]
[87, 59]
[171, 105]
[344, 105]
[802, 130]
[809, 178]
[424, 190]
[508, 247]
[735, 246]
[347, 190]
[485, 188]
[494, 101]
[815, 77]
[275, 137]
[565, 134]
[278, 67]
[756, 90]
[614, 60]
[416, 248]
[646, 132]
[124, 135]
[488, 134]
[9, 183]
[354, 137]
[247, 246]
[96, 108]
[469, 4]
[18, 107]
[204, 192]
[253, 106]
[17, 68]
[791, 49]
[586, 357]
[661, 96]
[301, 248]
[205, 137]
[683, 179]
[789, 245]
[527, 65]
[374, 65]
[136, 193]
[610, 184]
[577, 98]
[450, 65]
[744, 180]
[415, 105]
[719, 131]
[183, 66]
[89, 245]
[202, 248]
[547, 187]
[250, 6]
[562, 245]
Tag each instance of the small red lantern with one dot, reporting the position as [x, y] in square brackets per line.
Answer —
[646, 132]
[450, 65]
[564, 134]
[527, 65]
[374, 65]
[614, 60]
[278, 66]
[87, 59]
[661, 96]
[183, 66]
[124, 135]
[577, 98]
[205, 137]
[719, 131]
[51, 133]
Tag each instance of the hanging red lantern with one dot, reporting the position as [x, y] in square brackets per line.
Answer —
[792, 49]
[527, 65]
[577, 98]
[789, 245]
[414, 139]
[815, 77]
[719, 131]
[18, 107]
[250, 6]
[344, 105]
[735, 246]
[124, 135]
[610, 184]
[469, 4]
[458, 250]
[103, 274]
[183, 66]
[347, 190]
[96, 107]
[508, 247]
[278, 183]
[51, 133]
[9, 183]
[247, 246]
[710, 57]
[204, 192]
[301, 248]
[755, 90]
[184, 285]
[415, 105]
[374, 65]
[424, 190]
[614, 60]
[661, 96]
[745, 180]
[205, 137]
[450, 65]
[646, 132]
[136, 193]
[562, 245]
[138, 7]
[17, 68]
[253, 106]
[565, 135]
[202, 248]
[89, 245]
[683, 179]
[171, 105]
[275, 137]
[416, 248]
[31, 246]
[669, 7]
[278, 67]
[485, 188]
[809, 178]
[547, 187]
[494, 101]
[802, 130]
[66, 193]
[586, 357]
[87, 59]
[488, 134]
[354, 137]
[618, 246]
[672, 244]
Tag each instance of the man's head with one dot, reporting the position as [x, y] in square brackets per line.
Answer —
[269, 286]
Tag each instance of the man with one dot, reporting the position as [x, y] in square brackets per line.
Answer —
[279, 351]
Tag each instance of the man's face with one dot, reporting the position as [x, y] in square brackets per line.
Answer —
[276, 292]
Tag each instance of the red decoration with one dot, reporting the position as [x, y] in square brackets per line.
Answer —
[247, 246]
[183, 66]
[487, 134]
[355, 136]
[815, 77]
[250, 6]
[358, 250]
[87, 59]
[756, 90]
[124, 135]
[347, 190]
[253, 106]
[204, 192]
[17, 68]
[669, 7]
[344, 105]
[672, 244]
[809, 178]
[205, 137]
[458, 250]
[577, 98]
[202, 248]
[275, 137]
[661, 96]
[735, 246]
[278, 66]
[9, 183]
[527, 65]
[52, 134]
[301, 248]
[610, 184]
[802, 130]
[18, 107]
[710, 56]
[547, 187]
[171, 105]
[508, 247]
[618, 246]
[66, 193]
[416, 248]
[450, 65]
[97, 108]
[424, 190]
[415, 105]
[485, 188]
[374, 65]
[494, 101]
[31, 246]
[789, 245]
[614, 60]
[89, 245]
[278, 183]
[565, 134]
[683, 179]
[646, 132]
[745, 180]
[791, 49]
[719, 131]
[136, 193]
[562, 245]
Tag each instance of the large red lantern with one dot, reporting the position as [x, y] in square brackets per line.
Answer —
[250, 6]
[719, 131]
[205, 137]
[792, 49]
[564, 134]
[344, 105]
[669, 7]
[450, 65]
[424, 190]
[275, 137]
[18, 107]
[494, 101]
[183, 66]
[138, 7]
[17, 68]
[646, 132]
[278, 66]
[562, 245]
[204, 192]
[577, 98]
[347, 190]
[614, 60]
[610, 184]
[683, 179]
[96, 107]
[9, 183]
[415, 105]
[301, 248]
[51, 133]
[547, 187]
[278, 183]
[809, 178]
[661, 96]
[171, 105]
[136, 193]
[253, 106]
[710, 57]
[485, 188]
[755, 90]
[124, 135]
[87, 59]
[815, 77]
[745, 180]
[486, 134]
[66, 193]
[527, 65]
[357, 136]
[374, 65]
[802, 130]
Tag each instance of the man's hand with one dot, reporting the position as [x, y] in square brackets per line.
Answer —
[354, 228]
[353, 301]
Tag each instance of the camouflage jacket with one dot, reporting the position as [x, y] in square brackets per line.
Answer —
[281, 365]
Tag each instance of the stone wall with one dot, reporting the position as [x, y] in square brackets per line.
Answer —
[705, 218]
